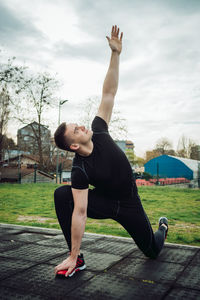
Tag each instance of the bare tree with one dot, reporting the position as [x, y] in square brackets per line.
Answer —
[4, 116]
[140, 161]
[10, 73]
[151, 154]
[9, 77]
[117, 126]
[195, 152]
[163, 146]
[131, 156]
[88, 110]
[36, 96]
[185, 145]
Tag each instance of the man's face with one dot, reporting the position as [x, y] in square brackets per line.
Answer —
[78, 134]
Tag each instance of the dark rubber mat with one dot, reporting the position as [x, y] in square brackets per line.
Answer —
[183, 294]
[180, 246]
[12, 266]
[152, 270]
[7, 231]
[41, 280]
[7, 245]
[108, 287]
[31, 252]
[93, 261]
[20, 228]
[116, 268]
[180, 256]
[190, 278]
[11, 294]
[90, 239]
[114, 246]
[196, 259]
[56, 241]
[119, 239]
[28, 237]
[169, 254]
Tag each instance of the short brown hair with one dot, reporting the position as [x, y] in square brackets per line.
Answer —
[61, 140]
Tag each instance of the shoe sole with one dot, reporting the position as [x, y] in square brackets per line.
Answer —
[76, 270]
[63, 272]
[164, 224]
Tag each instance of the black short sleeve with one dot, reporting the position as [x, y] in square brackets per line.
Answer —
[79, 179]
[99, 125]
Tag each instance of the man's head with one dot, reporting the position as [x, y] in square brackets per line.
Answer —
[71, 137]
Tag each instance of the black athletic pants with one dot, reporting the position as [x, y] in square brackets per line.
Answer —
[129, 213]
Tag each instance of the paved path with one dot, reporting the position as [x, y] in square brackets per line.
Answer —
[116, 269]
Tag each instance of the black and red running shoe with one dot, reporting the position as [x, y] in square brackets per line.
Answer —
[164, 220]
[80, 265]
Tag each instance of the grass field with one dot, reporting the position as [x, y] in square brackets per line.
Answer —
[32, 204]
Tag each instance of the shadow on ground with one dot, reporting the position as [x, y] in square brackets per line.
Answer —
[116, 269]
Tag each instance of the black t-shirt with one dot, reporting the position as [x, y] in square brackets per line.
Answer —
[107, 167]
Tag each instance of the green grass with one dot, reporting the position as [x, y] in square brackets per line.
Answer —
[32, 204]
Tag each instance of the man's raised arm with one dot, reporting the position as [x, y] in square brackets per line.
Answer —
[111, 81]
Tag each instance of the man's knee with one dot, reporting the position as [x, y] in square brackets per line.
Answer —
[151, 254]
[63, 193]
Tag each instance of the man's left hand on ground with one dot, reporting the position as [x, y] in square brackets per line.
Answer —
[67, 264]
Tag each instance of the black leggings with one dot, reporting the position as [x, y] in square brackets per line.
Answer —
[129, 213]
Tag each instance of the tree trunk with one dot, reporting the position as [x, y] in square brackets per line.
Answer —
[41, 163]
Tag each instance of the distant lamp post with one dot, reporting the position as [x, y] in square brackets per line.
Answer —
[19, 169]
[35, 173]
[61, 102]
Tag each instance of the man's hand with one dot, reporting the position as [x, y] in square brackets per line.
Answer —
[114, 42]
[67, 264]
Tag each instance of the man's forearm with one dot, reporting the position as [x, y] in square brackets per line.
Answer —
[77, 231]
[112, 77]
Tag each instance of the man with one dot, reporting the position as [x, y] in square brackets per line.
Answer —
[100, 162]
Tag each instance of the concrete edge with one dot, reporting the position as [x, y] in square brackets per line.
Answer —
[89, 233]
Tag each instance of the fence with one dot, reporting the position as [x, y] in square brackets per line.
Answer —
[161, 181]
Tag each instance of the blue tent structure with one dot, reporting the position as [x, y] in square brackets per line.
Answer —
[168, 166]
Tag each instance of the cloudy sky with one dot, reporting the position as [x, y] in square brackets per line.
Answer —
[159, 88]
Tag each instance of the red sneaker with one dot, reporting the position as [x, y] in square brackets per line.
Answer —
[80, 265]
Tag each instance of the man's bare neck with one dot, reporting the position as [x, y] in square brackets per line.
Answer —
[86, 150]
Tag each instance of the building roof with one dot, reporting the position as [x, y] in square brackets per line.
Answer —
[31, 124]
[190, 163]
[13, 173]
[172, 167]
[129, 142]
[66, 162]
[35, 158]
